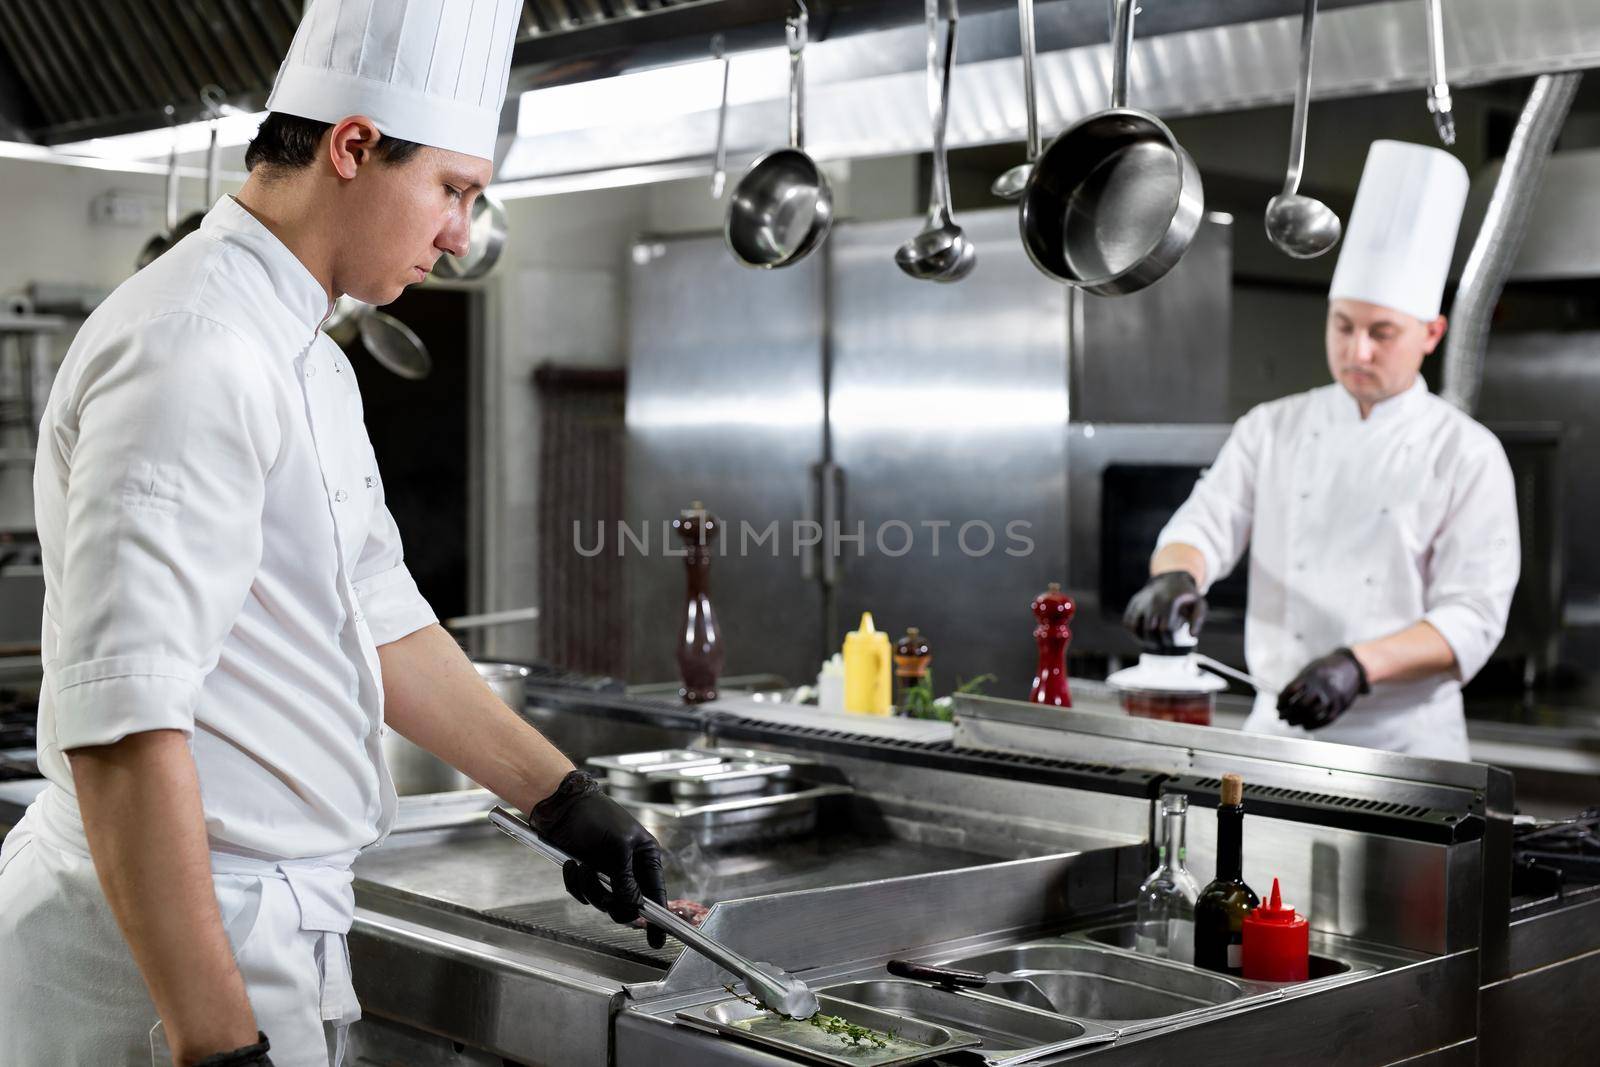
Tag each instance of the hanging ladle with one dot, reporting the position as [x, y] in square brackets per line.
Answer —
[1301, 226]
[941, 252]
[1009, 186]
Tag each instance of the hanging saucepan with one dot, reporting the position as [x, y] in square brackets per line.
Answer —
[487, 239]
[1114, 201]
[782, 208]
[162, 241]
[395, 346]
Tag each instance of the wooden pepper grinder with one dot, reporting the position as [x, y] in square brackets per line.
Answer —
[1054, 610]
[700, 651]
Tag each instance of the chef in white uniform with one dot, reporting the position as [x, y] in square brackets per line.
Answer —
[1381, 520]
[229, 622]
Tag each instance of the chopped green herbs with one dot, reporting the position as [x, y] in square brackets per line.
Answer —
[845, 1030]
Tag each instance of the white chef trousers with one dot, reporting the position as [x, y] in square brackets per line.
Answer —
[72, 996]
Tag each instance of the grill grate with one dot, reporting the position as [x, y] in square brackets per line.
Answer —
[1365, 804]
[567, 921]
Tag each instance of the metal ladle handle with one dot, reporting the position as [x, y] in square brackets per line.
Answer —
[796, 31]
[1439, 104]
[759, 984]
[1025, 23]
[1121, 50]
[1302, 102]
[938, 106]
[719, 176]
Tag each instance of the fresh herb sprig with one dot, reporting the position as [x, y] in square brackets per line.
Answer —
[845, 1030]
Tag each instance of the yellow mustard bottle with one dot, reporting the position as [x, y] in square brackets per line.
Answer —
[867, 674]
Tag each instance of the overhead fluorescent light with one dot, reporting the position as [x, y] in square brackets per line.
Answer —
[233, 129]
[662, 93]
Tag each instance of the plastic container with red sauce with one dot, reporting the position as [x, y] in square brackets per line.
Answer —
[1277, 942]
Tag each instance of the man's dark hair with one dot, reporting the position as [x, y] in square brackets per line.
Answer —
[289, 142]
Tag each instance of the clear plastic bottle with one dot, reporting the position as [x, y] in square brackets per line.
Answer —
[1165, 917]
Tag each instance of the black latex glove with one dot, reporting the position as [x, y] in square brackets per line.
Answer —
[602, 838]
[249, 1056]
[1323, 691]
[1167, 601]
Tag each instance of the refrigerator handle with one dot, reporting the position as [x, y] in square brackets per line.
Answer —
[832, 519]
[827, 481]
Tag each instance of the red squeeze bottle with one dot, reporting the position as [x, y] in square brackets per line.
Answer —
[1277, 942]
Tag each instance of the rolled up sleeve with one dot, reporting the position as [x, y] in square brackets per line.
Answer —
[1476, 560]
[167, 438]
[389, 597]
[1217, 518]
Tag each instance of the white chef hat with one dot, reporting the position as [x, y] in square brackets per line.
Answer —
[1402, 232]
[430, 71]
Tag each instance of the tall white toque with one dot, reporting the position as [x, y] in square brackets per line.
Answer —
[430, 71]
[1402, 233]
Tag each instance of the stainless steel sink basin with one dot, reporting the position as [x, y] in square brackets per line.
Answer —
[1003, 1027]
[1120, 935]
[1091, 983]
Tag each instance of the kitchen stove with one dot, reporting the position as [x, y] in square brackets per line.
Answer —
[1549, 859]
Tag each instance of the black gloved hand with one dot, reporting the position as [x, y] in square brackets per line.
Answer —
[602, 838]
[1323, 691]
[249, 1056]
[1167, 601]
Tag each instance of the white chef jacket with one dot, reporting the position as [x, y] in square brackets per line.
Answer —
[1358, 529]
[218, 560]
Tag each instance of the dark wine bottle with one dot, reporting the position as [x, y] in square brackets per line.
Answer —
[1220, 911]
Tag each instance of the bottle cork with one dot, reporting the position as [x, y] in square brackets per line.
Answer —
[1232, 790]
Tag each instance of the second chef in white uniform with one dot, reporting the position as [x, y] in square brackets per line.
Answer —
[1381, 520]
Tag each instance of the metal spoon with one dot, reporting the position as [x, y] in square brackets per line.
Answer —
[1301, 226]
[941, 252]
[1009, 185]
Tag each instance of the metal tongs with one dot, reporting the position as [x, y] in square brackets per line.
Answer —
[775, 988]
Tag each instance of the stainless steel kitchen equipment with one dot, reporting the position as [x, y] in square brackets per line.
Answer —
[1009, 186]
[1439, 104]
[941, 252]
[1114, 201]
[904, 1041]
[773, 986]
[1301, 226]
[463, 954]
[395, 346]
[634, 770]
[869, 382]
[783, 206]
[487, 240]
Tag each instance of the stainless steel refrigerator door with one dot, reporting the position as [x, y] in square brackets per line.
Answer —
[948, 414]
[724, 406]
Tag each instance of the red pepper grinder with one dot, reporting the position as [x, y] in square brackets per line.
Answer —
[700, 651]
[1277, 942]
[1054, 610]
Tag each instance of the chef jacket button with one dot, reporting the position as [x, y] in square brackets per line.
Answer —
[371, 482]
[340, 496]
[1300, 637]
[311, 372]
[1306, 495]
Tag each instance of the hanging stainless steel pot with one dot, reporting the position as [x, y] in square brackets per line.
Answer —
[1114, 201]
